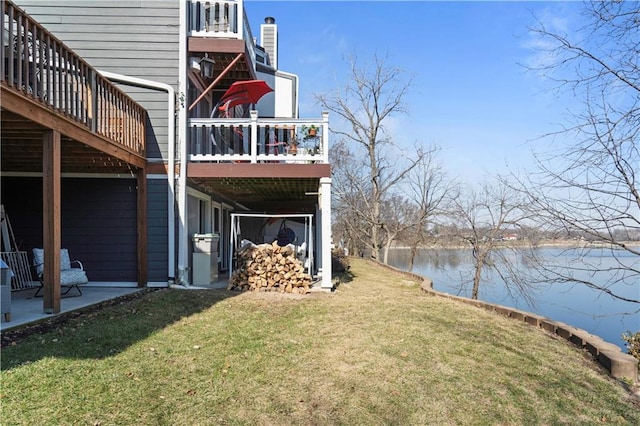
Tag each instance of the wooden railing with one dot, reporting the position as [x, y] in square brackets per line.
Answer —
[259, 140]
[37, 64]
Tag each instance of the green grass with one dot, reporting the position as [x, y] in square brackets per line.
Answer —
[377, 351]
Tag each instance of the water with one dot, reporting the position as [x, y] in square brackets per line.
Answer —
[594, 311]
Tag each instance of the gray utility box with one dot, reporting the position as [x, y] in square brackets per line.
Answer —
[205, 258]
[5, 292]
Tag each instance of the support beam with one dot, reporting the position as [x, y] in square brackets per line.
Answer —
[218, 78]
[141, 223]
[51, 216]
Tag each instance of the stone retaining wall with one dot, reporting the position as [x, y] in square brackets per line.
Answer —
[619, 364]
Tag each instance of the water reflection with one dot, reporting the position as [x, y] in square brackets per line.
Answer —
[594, 311]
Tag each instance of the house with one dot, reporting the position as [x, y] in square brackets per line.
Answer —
[115, 145]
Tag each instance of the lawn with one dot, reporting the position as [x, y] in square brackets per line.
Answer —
[376, 351]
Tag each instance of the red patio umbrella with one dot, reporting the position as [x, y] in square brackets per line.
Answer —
[245, 92]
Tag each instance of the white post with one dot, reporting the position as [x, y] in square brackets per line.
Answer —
[325, 244]
[254, 136]
[325, 137]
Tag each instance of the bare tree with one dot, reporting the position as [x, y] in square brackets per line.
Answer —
[589, 185]
[483, 218]
[369, 99]
[350, 220]
[426, 192]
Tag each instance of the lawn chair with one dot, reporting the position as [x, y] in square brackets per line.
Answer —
[70, 277]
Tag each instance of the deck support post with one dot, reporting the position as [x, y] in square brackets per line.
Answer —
[51, 218]
[325, 228]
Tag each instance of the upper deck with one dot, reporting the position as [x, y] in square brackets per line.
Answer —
[46, 86]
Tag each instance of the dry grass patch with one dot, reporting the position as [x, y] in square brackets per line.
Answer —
[376, 351]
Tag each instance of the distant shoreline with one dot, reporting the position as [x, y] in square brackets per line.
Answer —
[542, 244]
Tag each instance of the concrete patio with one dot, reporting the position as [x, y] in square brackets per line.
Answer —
[26, 309]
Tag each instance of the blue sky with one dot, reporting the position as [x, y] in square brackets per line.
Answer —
[471, 95]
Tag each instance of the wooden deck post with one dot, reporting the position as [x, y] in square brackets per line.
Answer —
[51, 217]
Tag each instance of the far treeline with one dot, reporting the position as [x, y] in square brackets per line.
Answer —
[586, 189]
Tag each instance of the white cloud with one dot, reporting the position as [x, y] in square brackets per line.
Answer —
[558, 18]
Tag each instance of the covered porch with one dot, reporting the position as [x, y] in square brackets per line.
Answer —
[61, 119]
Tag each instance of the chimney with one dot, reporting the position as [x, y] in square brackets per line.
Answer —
[269, 39]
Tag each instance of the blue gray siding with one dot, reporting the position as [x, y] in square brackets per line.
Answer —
[98, 222]
[157, 230]
[137, 38]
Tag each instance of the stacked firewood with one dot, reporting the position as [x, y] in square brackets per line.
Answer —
[269, 267]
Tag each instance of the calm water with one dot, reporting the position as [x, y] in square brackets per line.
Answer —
[577, 305]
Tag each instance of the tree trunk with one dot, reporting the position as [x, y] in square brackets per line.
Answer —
[477, 276]
[387, 247]
[412, 257]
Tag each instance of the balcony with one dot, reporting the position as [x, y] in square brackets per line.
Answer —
[221, 20]
[254, 140]
[46, 85]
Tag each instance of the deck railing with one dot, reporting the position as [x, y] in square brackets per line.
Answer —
[37, 64]
[220, 19]
[264, 140]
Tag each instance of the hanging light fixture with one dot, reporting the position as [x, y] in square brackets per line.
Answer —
[206, 66]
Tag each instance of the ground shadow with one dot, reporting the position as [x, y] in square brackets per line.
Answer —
[103, 330]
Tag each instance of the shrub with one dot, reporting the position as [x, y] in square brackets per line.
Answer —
[339, 262]
[633, 344]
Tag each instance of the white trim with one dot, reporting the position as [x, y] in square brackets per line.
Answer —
[157, 284]
[198, 194]
[117, 284]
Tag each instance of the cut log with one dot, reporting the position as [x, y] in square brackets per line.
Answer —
[269, 267]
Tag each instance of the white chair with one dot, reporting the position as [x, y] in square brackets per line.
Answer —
[70, 276]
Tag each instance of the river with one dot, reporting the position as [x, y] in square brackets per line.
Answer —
[576, 305]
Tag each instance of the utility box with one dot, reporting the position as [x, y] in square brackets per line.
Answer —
[5, 291]
[205, 258]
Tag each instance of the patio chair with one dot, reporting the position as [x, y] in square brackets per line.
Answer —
[274, 146]
[70, 277]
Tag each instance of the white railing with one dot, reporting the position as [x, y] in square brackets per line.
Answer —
[253, 140]
[221, 19]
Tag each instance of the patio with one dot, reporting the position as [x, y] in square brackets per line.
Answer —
[26, 309]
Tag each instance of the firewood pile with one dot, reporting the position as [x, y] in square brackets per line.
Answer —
[269, 267]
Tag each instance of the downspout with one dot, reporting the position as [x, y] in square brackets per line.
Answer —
[171, 102]
[183, 242]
